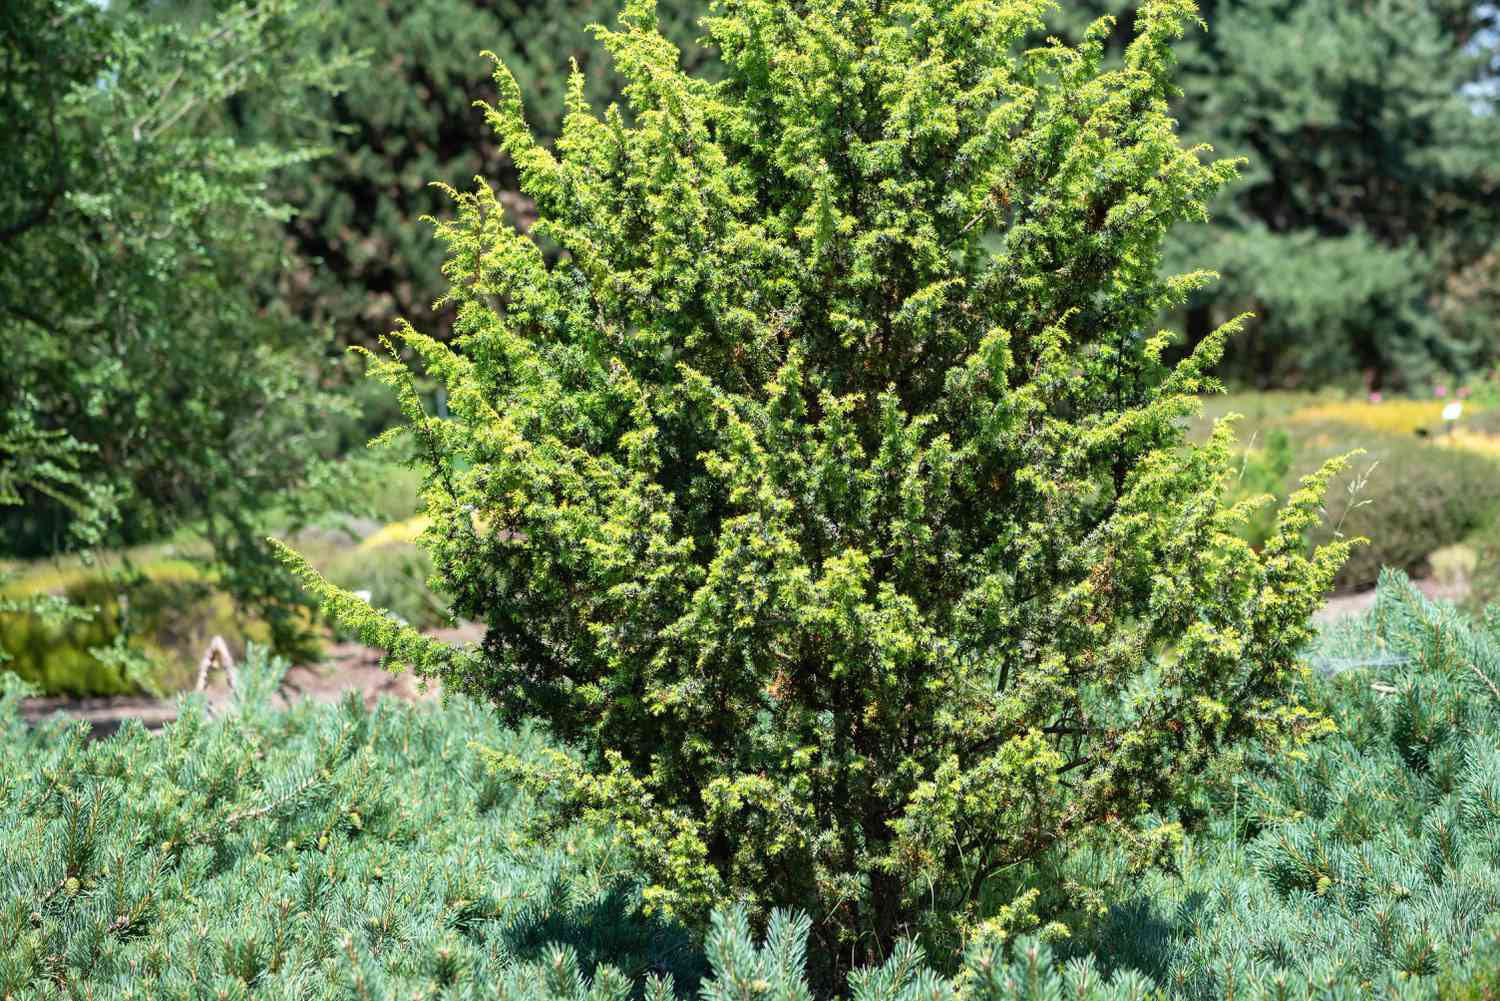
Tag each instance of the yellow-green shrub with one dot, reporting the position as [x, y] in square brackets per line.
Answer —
[826, 493]
[1469, 440]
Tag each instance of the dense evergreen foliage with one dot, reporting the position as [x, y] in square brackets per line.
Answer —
[145, 384]
[865, 613]
[339, 852]
[408, 122]
[323, 852]
[828, 490]
[1362, 231]
[1375, 854]
[1371, 185]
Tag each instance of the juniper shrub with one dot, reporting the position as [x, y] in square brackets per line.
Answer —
[828, 493]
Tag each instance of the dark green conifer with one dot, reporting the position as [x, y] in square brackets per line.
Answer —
[408, 122]
[1362, 231]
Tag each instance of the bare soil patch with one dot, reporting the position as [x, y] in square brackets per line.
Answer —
[347, 667]
[1353, 603]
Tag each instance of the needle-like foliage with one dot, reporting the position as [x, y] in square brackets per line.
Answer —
[828, 491]
[336, 852]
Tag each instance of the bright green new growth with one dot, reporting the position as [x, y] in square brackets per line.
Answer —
[828, 493]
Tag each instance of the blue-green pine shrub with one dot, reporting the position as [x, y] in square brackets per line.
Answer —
[338, 851]
[324, 851]
[1374, 852]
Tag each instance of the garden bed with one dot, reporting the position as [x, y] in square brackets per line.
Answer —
[348, 667]
[344, 851]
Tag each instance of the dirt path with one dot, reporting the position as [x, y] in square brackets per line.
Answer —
[349, 666]
[1341, 605]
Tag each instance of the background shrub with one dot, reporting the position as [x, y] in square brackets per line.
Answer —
[1409, 496]
[164, 614]
[1484, 582]
[1406, 496]
[138, 620]
[395, 574]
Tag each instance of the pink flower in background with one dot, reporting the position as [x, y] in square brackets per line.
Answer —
[1463, 392]
[1376, 397]
[1440, 391]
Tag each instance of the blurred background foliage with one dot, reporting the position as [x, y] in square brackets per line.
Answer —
[148, 387]
[406, 122]
[1422, 484]
[1363, 232]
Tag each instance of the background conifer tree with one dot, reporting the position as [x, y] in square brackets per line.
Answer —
[407, 123]
[1372, 179]
[1362, 231]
